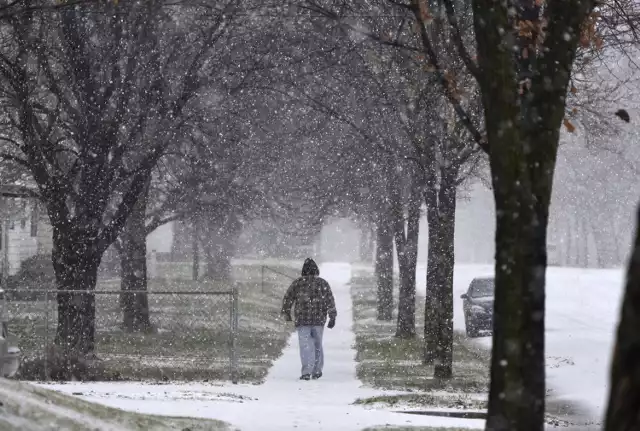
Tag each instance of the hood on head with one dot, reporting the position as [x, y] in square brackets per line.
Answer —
[310, 268]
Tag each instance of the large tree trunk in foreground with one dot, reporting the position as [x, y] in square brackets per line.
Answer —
[623, 412]
[133, 267]
[517, 389]
[407, 251]
[384, 269]
[524, 88]
[76, 267]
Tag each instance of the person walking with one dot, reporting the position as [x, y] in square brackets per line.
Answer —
[313, 301]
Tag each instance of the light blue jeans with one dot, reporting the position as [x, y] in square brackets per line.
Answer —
[311, 354]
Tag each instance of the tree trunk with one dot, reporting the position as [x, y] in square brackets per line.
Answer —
[180, 247]
[579, 241]
[384, 268]
[133, 261]
[584, 244]
[571, 257]
[444, 284]
[600, 241]
[524, 107]
[218, 262]
[366, 243]
[431, 300]
[133, 273]
[624, 394]
[219, 247]
[195, 270]
[617, 258]
[517, 389]
[407, 251]
[440, 199]
[434, 250]
[76, 267]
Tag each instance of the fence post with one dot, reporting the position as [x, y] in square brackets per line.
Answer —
[234, 334]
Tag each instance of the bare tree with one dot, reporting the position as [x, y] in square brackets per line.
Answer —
[96, 105]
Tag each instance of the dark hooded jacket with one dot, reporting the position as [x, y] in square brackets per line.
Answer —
[312, 297]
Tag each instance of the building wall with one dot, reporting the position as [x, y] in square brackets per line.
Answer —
[19, 240]
[45, 236]
[21, 245]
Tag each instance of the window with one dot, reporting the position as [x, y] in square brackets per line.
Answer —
[34, 220]
[482, 288]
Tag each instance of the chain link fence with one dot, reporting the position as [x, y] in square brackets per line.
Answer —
[193, 335]
[267, 271]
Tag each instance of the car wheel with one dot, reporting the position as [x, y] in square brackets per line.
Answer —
[472, 331]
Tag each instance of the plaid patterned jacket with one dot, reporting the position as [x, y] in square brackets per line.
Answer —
[313, 301]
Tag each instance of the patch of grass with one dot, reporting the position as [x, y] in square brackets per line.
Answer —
[451, 401]
[393, 363]
[191, 338]
[388, 362]
[28, 407]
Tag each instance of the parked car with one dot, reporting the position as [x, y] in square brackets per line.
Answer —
[9, 353]
[478, 306]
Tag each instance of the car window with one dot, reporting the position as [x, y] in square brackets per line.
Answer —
[481, 288]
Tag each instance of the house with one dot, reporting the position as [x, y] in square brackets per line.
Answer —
[25, 229]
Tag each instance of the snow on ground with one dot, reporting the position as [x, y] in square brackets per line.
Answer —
[26, 407]
[581, 319]
[283, 402]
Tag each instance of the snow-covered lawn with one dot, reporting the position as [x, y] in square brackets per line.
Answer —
[26, 407]
[283, 402]
[192, 334]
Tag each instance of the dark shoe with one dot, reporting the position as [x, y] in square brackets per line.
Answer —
[316, 376]
[305, 377]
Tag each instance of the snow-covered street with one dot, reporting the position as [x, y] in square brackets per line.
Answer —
[283, 402]
[582, 314]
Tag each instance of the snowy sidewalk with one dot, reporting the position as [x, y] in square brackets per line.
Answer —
[283, 402]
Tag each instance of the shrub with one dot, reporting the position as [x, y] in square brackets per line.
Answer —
[35, 272]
